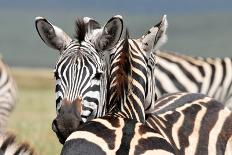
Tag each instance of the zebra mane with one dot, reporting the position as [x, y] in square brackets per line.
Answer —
[80, 29]
[124, 69]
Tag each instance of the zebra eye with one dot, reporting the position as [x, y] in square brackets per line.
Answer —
[97, 76]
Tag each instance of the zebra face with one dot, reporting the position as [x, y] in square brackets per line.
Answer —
[80, 69]
[149, 43]
[79, 75]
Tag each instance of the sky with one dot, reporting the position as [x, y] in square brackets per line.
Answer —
[131, 6]
[194, 26]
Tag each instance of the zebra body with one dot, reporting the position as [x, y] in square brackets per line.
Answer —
[193, 123]
[115, 135]
[180, 73]
[9, 145]
[8, 94]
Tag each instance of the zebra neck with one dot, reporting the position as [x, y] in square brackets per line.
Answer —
[127, 85]
[150, 93]
[104, 87]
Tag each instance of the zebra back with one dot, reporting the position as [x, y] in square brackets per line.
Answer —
[193, 123]
[116, 135]
[210, 76]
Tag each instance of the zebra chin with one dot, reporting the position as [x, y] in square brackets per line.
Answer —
[68, 119]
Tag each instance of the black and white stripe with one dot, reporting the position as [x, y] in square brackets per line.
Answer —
[145, 45]
[9, 145]
[193, 123]
[8, 94]
[76, 75]
[180, 73]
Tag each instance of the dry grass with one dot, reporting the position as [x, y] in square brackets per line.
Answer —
[35, 110]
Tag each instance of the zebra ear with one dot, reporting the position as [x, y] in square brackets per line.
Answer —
[52, 36]
[91, 24]
[156, 36]
[111, 33]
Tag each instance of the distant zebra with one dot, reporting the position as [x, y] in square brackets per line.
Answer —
[9, 146]
[8, 94]
[122, 130]
[180, 73]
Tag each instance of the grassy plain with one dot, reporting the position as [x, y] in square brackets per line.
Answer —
[35, 110]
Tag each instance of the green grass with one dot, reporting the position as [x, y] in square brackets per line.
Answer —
[35, 110]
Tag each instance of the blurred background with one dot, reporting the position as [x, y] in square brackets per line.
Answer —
[197, 28]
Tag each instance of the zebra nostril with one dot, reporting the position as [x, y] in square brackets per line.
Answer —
[54, 126]
[78, 105]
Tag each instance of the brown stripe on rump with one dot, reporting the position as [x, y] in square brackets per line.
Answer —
[207, 124]
[100, 130]
[225, 135]
[187, 127]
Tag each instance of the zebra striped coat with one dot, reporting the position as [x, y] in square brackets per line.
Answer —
[146, 44]
[193, 123]
[8, 94]
[180, 73]
[9, 146]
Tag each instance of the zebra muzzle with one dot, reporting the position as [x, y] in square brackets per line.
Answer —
[68, 119]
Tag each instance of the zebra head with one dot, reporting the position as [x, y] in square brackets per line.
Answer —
[80, 69]
[149, 43]
[146, 47]
[132, 66]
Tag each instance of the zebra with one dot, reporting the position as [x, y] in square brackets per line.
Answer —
[8, 94]
[79, 69]
[122, 129]
[181, 73]
[146, 43]
[9, 145]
